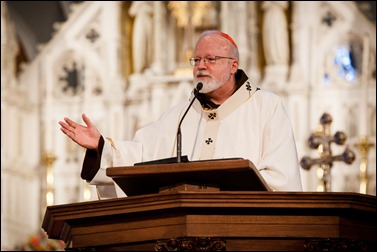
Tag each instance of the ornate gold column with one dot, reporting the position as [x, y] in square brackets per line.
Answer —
[189, 15]
[48, 160]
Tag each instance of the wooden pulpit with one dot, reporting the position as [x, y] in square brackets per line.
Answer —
[221, 205]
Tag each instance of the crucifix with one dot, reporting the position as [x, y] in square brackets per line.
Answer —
[321, 140]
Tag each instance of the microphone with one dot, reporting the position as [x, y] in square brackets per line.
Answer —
[179, 158]
[199, 86]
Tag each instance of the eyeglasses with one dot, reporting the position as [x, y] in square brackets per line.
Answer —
[206, 60]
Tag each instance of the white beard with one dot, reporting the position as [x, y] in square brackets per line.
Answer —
[209, 86]
[213, 84]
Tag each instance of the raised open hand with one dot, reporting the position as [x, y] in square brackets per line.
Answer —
[86, 136]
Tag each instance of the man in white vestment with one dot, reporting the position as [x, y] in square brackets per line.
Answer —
[231, 117]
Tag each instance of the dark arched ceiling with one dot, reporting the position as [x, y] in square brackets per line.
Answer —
[34, 22]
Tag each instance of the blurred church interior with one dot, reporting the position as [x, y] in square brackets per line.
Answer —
[125, 62]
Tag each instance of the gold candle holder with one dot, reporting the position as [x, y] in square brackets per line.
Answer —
[364, 146]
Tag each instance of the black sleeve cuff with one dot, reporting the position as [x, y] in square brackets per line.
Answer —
[92, 161]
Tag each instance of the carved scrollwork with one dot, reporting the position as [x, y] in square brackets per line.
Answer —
[191, 244]
[335, 244]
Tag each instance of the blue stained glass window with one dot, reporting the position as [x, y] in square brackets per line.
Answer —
[344, 61]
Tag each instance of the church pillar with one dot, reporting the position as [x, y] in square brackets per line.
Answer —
[241, 32]
[253, 61]
[225, 22]
[159, 31]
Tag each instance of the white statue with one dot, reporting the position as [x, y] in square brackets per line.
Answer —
[142, 37]
[275, 33]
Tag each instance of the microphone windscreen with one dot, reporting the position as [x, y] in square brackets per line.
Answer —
[199, 86]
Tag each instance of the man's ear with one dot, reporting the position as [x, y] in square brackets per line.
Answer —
[235, 65]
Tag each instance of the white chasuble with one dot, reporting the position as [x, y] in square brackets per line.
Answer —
[251, 124]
